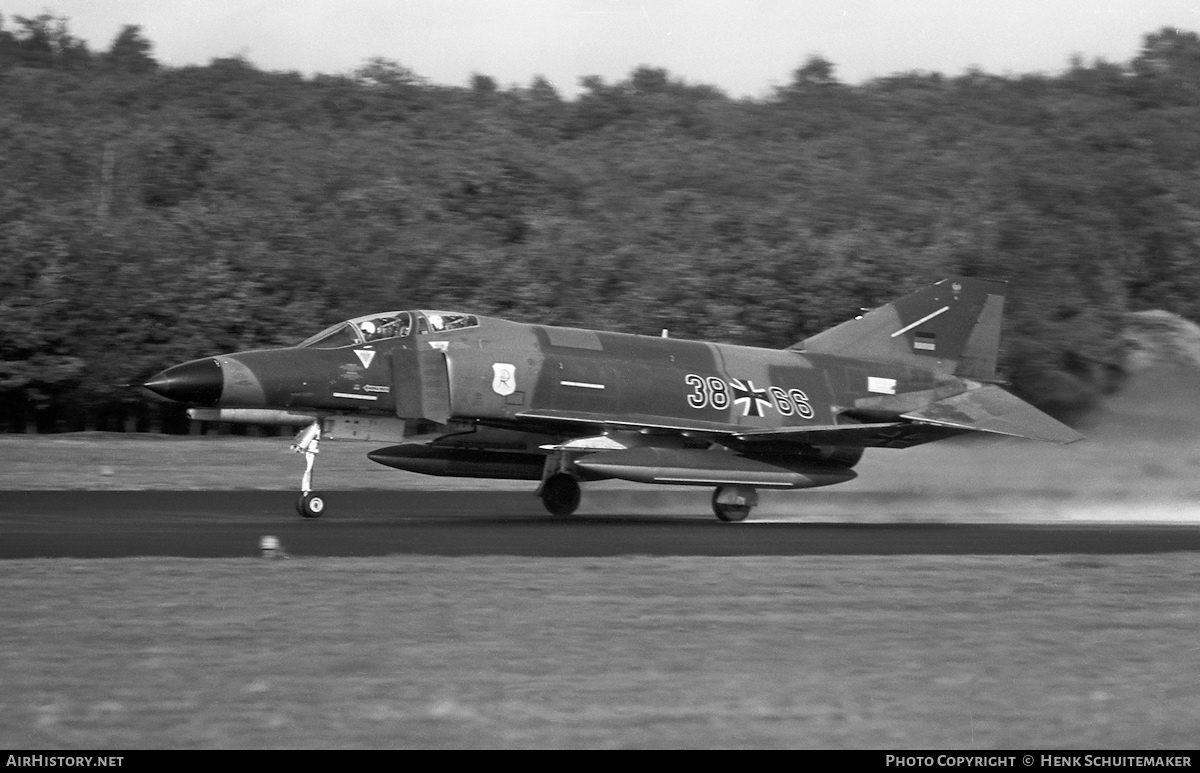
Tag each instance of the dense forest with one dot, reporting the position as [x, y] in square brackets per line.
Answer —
[151, 214]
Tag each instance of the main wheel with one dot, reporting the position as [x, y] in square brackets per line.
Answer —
[560, 494]
[731, 511]
[311, 505]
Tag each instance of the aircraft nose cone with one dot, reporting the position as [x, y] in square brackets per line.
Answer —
[198, 382]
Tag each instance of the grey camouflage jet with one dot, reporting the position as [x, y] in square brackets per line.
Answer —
[458, 394]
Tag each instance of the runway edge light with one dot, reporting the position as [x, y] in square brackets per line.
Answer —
[270, 547]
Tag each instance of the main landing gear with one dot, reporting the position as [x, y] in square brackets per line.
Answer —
[560, 494]
[733, 503]
[311, 504]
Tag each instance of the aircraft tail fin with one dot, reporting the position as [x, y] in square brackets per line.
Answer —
[952, 326]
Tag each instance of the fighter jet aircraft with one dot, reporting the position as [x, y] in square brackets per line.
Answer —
[455, 393]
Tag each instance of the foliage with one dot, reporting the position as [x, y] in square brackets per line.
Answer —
[154, 214]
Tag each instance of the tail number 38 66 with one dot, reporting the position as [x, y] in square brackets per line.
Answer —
[713, 392]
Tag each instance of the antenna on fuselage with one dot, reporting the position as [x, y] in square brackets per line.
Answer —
[664, 333]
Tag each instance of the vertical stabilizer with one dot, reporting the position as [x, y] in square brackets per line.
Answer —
[952, 326]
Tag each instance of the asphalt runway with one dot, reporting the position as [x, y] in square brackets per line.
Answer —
[208, 524]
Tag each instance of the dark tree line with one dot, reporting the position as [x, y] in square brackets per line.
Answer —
[151, 214]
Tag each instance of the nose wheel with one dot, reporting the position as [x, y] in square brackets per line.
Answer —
[310, 504]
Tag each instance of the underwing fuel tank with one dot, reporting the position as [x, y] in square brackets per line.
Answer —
[706, 468]
[460, 462]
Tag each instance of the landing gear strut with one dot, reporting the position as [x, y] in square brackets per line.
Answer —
[311, 504]
[733, 503]
[560, 494]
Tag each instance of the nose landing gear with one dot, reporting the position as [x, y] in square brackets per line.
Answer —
[310, 504]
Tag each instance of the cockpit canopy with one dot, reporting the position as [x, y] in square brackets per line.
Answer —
[388, 324]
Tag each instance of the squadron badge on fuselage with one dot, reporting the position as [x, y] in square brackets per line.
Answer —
[504, 378]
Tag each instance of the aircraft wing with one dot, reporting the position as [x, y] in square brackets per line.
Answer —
[985, 409]
[600, 421]
[896, 434]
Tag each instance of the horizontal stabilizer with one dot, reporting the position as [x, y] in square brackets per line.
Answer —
[991, 409]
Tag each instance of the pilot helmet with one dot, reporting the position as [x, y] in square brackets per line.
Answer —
[368, 327]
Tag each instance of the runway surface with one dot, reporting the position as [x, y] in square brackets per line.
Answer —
[203, 524]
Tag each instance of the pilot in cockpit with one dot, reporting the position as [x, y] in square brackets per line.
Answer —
[383, 327]
[368, 330]
[397, 327]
